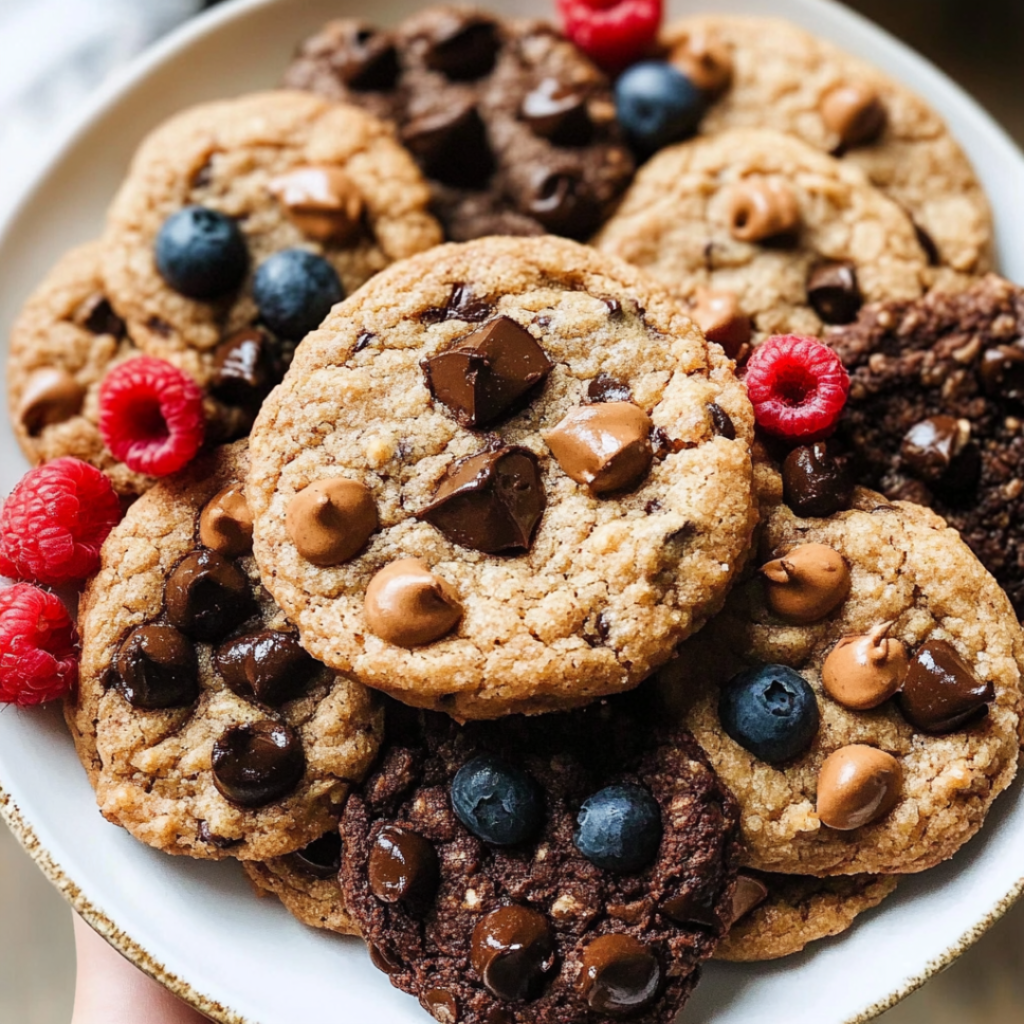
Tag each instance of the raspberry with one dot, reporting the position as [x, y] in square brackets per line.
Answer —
[37, 646]
[151, 416]
[613, 33]
[798, 387]
[55, 522]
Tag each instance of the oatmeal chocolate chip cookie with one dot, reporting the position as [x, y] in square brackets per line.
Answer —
[462, 417]
[797, 238]
[768, 73]
[512, 124]
[204, 727]
[936, 413]
[219, 194]
[797, 910]
[484, 865]
[841, 606]
[63, 344]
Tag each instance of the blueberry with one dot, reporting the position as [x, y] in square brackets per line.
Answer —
[657, 104]
[294, 290]
[619, 828]
[201, 253]
[496, 801]
[770, 711]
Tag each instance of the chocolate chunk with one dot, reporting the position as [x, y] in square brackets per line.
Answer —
[441, 1005]
[364, 339]
[513, 951]
[97, 316]
[607, 389]
[50, 396]
[270, 666]
[380, 960]
[462, 304]
[694, 907]
[451, 145]
[938, 450]
[403, 866]
[463, 47]
[206, 835]
[721, 422]
[369, 61]
[322, 858]
[321, 200]
[749, 894]
[834, 293]
[618, 975]
[245, 367]
[490, 502]
[557, 111]
[1002, 372]
[486, 373]
[941, 693]
[157, 668]
[207, 595]
[816, 481]
[559, 198]
[257, 764]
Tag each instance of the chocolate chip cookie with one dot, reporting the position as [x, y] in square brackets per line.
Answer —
[768, 73]
[935, 413]
[487, 865]
[860, 695]
[214, 197]
[204, 726]
[506, 476]
[513, 125]
[794, 238]
[66, 339]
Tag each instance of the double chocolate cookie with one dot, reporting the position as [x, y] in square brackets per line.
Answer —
[569, 868]
[513, 125]
[508, 475]
[204, 726]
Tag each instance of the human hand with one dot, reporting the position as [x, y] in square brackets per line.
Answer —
[109, 990]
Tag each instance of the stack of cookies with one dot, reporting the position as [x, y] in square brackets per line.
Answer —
[564, 605]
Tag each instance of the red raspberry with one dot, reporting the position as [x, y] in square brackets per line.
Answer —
[151, 416]
[798, 387]
[55, 522]
[37, 646]
[613, 33]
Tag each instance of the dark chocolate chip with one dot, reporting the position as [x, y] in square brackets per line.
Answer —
[368, 61]
[721, 422]
[245, 367]
[663, 445]
[513, 951]
[322, 858]
[97, 316]
[381, 961]
[938, 450]
[490, 502]
[451, 145]
[607, 389]
[487, 372]
[364, 339]
[614, 306]
[206, 835]
[834, 293]
[558, 111]
[816, 480]
[618, 975]
[941, 693]
[694, 907]
[256, 764]
[207, 595]
[270, 666]
[403, 866]
[931, 250]
[462, 304]
[1002, 372]
[160, 326]
[560, 199]
[157, 668]
[463, 47]
[441, 1005]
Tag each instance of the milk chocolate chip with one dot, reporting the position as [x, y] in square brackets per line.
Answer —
[322, 858]
[862, 672]
[941, 693]
[403, 866]
[939, 451]
[407, 605]
[808, 583]
[705, 59]
[1002, 372]
[749, 894]
[760, 209]
[513, 951]
[322, 202]
[207, 595]
[557, 111]
[257, 764]
[816, 480]
[834, 293]
[489, 502]
[225, 525]
[718, 315]
[486, 373]
[606, 446]
[331, 520]
[856, 786]
[618, 975]
[855, 113]
[245, 367]
[50, 396]
[157, 668]
[270, 666]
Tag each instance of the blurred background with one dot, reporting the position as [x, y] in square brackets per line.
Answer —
[980, 43]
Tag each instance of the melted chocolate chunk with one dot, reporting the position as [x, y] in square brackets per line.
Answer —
[207, 595]
[722, 422]
[157, 668]
[490, 502]
[451, 145]
[245, 367]
[486, 373]
[939, 452]
[816, 481]
[258, 764]
[1002, 372]
[402, 866]
[834, 293]
[270, 666]
[941, 693]
[322, 858]
[558, 111]
[513, 951]
[607, 389]
[619, 975]
[559, 198]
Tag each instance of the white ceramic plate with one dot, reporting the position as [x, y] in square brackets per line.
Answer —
[196, 926]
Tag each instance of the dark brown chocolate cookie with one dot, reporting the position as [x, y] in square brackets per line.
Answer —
[535, 931]
[512, 124]
[936, 413]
